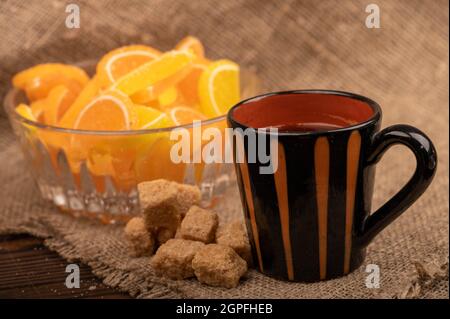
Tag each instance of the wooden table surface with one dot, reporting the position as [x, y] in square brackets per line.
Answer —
[29, 270]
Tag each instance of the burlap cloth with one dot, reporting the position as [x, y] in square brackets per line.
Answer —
[290, 45]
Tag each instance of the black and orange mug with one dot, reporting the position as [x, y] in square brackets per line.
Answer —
[310, 219]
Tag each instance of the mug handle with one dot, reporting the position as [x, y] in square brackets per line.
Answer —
[426, 158]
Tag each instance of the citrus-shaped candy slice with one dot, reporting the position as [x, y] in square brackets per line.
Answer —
[37, 108]
[219, 88]
[40, 87]
[25, 111]
[168, 97]
[154, 71]
[189, 85]
[181, 115]
[148, 117]
[110, 111]
[119, 62]
[88, 93]
[41, 78]
[56, 104]
[153, 92]
[193, 44]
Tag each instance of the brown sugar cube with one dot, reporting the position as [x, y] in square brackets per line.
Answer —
[163, 235]
[235, 236]
[155, 191]
[188, 195]
[158, 200]
[199, 224]
[174, 258]
[218, 265]
[178, 233]
[140, 239]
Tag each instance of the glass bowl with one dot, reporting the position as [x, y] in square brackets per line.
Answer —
[95, 173]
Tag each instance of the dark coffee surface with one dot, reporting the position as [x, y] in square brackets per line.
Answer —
[307, 127]
[303, 107]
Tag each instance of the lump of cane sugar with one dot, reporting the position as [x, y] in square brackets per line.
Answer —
[199, 224]
[158, 205]
[163, 235]
[235, 236]
[164, 204]
[155, 191]
[188, 195]
[140, 239]
[174, 258]
[178, 233]
[218, 265]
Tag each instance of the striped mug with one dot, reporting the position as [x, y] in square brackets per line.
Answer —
[309, 218]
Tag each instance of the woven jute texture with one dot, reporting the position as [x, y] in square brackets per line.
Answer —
[290, 45]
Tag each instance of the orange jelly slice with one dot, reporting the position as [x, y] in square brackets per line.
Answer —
[39, 80]
[119, 62]
[110, 111]
[193, 44]
[150, 73]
